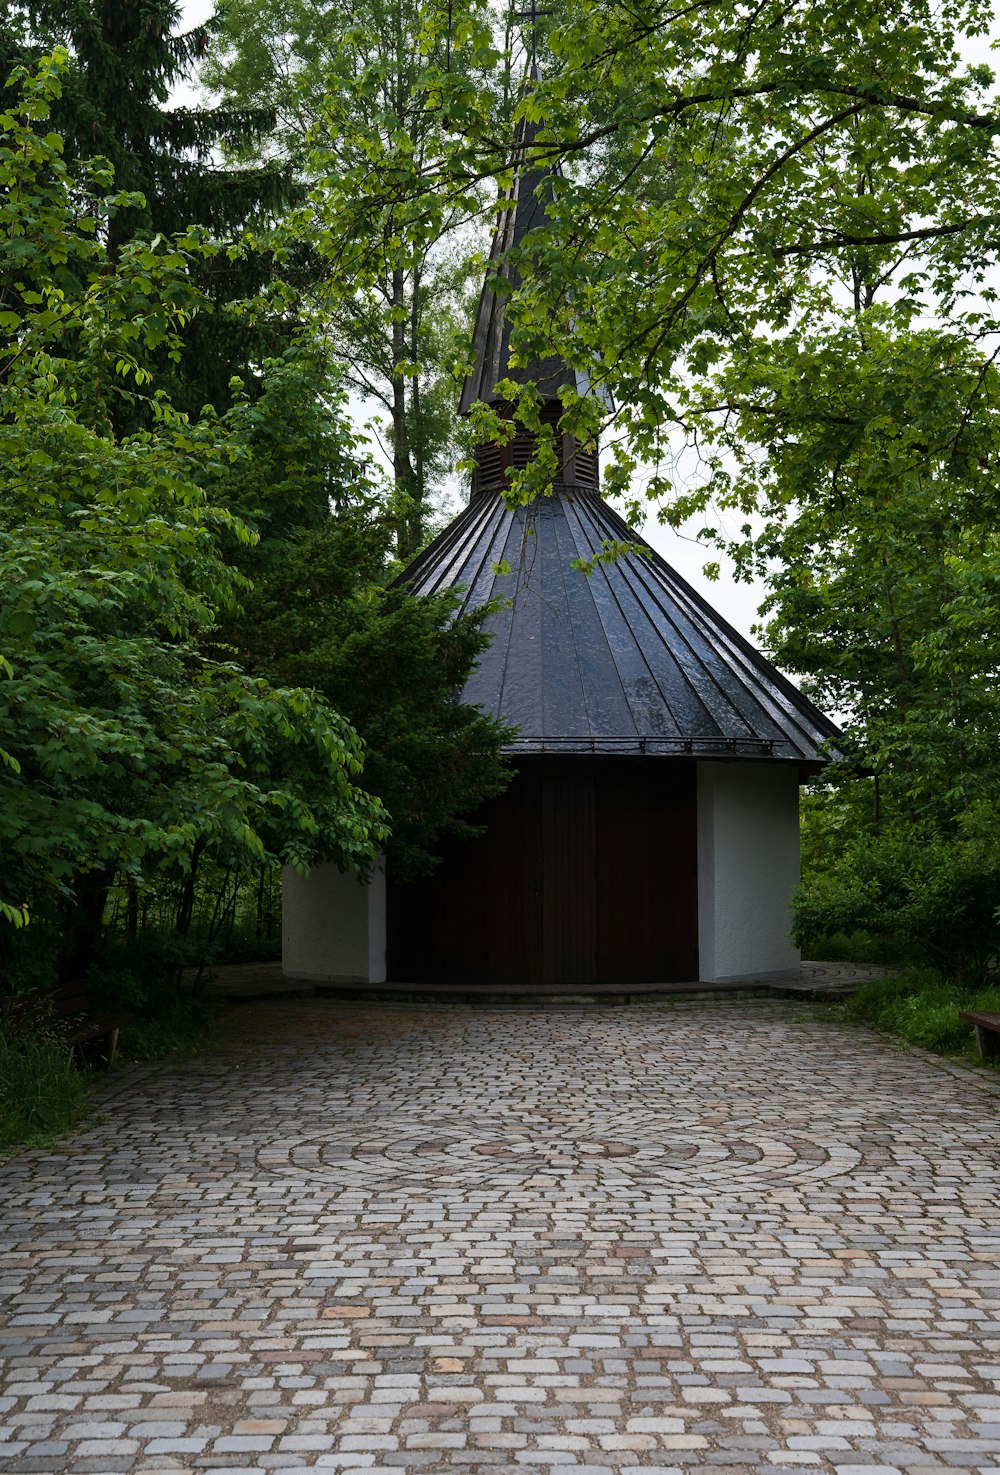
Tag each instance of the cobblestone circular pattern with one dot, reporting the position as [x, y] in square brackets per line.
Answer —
[637, 1151]
[512, 1244]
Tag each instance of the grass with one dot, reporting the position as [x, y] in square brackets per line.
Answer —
[182, 1027]
[921, 1007]
[42, 1094]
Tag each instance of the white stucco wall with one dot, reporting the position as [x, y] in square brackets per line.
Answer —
[333, 926]
[748, 866]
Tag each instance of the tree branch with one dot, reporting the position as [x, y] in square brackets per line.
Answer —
[886, 238]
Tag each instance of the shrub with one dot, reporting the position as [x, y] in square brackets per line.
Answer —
[921, 895]
[854, 947]
[181, 1026]
[143, 975]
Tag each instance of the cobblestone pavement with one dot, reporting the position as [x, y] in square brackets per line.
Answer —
[710, 1236]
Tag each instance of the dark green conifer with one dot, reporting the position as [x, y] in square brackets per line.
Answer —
[127, 57]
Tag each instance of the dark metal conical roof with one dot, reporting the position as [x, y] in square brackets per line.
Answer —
[626, 660]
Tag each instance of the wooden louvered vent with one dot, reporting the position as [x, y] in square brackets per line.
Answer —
[489, 473]
[585, 469]
[580, 467]
[522, 449]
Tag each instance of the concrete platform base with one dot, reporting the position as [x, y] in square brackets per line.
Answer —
[814, 980]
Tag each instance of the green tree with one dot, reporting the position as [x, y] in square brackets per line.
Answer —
[886, 574]
[124, 61]
[125, 58]
[343, 84]
[879, 482]
[796, 153]
[127, 744]
[320, 614]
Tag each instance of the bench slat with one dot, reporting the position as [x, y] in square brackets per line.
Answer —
[985, 1017]
[987, 1027]
[63, 1012]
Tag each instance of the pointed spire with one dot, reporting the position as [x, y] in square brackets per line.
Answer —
[628, 661]
[526, 205]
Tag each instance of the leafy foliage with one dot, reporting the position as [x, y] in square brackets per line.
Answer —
[729, 176]
[320, 617]
[344, 85]
[879, 487]
[879, 490]
[130, 742]
[392, 663]
[919, 890]
[123, 58]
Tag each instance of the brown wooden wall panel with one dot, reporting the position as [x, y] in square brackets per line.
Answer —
[647, 872]
[672, 816]
[569, 931]
[587, 874]
[512, 907]
[622, 890]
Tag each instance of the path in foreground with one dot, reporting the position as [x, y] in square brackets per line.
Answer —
[717, 1235]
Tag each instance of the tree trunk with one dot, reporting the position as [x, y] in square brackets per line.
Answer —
[131, 910]
[415, 529]
[185, 909]
[402, 464]
[84, 919]
[258, 930]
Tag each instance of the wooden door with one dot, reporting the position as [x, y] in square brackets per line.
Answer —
[647, 872]
[587, 873]
[569, 871]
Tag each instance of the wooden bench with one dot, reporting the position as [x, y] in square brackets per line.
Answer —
[64, 1014]
[987, 1031]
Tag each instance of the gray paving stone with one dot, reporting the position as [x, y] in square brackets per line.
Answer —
[701, 1237]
